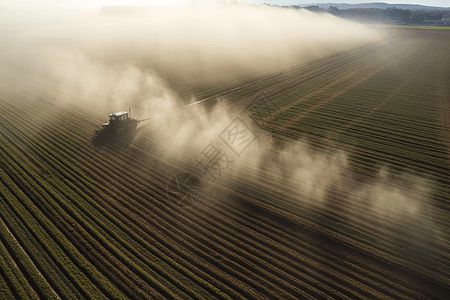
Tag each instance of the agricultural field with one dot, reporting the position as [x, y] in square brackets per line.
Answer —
[345, 193]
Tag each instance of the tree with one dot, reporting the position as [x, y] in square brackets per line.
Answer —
[333, 10]
[314, 8]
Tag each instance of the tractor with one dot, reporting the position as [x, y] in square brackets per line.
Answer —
[119, 123]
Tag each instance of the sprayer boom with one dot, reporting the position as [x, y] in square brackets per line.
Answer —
[143, 120]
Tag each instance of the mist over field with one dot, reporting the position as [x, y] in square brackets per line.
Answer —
[95, 50]
[109, 63]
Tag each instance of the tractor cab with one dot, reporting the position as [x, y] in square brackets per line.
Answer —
[116, 118]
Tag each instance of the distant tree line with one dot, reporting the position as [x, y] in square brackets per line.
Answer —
[382, 15]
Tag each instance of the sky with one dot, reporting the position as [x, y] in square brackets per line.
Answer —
[97, 4]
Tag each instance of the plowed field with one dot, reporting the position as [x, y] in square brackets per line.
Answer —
[85, 220]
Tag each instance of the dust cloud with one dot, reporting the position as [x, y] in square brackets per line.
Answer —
[103, 53]
[108, 62]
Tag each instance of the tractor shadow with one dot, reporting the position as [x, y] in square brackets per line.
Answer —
[113, 141]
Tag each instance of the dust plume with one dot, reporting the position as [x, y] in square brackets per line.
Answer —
[107, 62]
[154, 59]
[193, 45]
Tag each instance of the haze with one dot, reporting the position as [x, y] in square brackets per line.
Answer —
[114, 62]
[109, 62]
[96, 4]
[175, 41]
